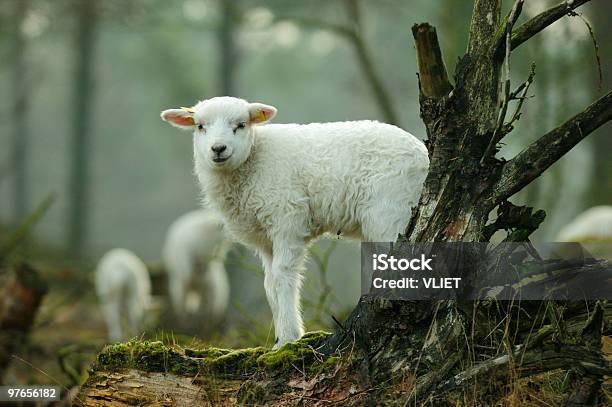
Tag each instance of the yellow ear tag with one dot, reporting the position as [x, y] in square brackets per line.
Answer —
[262, 116]
[188, 109]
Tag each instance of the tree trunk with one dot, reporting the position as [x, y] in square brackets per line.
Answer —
[85, 39]
[228, 60]
[401, 352]
[19, 116]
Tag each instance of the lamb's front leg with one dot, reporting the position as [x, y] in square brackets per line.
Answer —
[266, 259]
[287, 263]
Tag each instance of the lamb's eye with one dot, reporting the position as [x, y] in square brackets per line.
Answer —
[200, 127]
[239, 126]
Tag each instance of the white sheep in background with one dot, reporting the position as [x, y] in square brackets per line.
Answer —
[594, 224]
[194, 254]
[123, 286]
[280, 186]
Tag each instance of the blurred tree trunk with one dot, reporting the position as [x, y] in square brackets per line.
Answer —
[228, 56]
[19, 117]
[80, 159]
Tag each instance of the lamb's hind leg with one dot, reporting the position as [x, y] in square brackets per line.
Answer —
[287, 282]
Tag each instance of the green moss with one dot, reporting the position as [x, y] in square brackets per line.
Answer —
[330, 361]
[314, 338]
[207, 352]
[147, 356]
[251, 393]
[226, 360]
[114, 356]
[157, 357]
[297, 354]
[241, 359]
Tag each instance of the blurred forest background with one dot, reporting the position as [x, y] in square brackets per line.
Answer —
[82, 83]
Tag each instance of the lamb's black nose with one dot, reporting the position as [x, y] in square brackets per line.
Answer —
[218, 148]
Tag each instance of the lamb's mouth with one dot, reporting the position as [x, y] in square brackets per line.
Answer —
[221, 159]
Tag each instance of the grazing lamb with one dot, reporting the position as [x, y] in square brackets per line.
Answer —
[123, 284]
[279, 186]
[194, 255]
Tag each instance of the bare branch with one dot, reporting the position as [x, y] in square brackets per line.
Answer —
[522, 90]
[519, 94]
[529, 164]
[595, 44]
[514, 14]
[433, 79]
[543, 20]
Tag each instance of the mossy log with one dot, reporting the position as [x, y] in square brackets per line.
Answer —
[151, 373]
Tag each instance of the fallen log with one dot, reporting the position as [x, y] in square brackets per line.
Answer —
[151, 373]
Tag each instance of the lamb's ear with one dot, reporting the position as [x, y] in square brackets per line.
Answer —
[260, 113]
[181, 118]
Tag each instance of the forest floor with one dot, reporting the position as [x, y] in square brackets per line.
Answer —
[69, 334]
[62, 332]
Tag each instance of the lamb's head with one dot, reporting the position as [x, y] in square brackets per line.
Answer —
[222, 127]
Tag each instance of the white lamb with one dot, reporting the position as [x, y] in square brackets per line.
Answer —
[123, 286]
[194, 254]
[280, 186]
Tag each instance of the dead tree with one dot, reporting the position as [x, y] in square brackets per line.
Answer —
[413, 352]
[465, 123]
